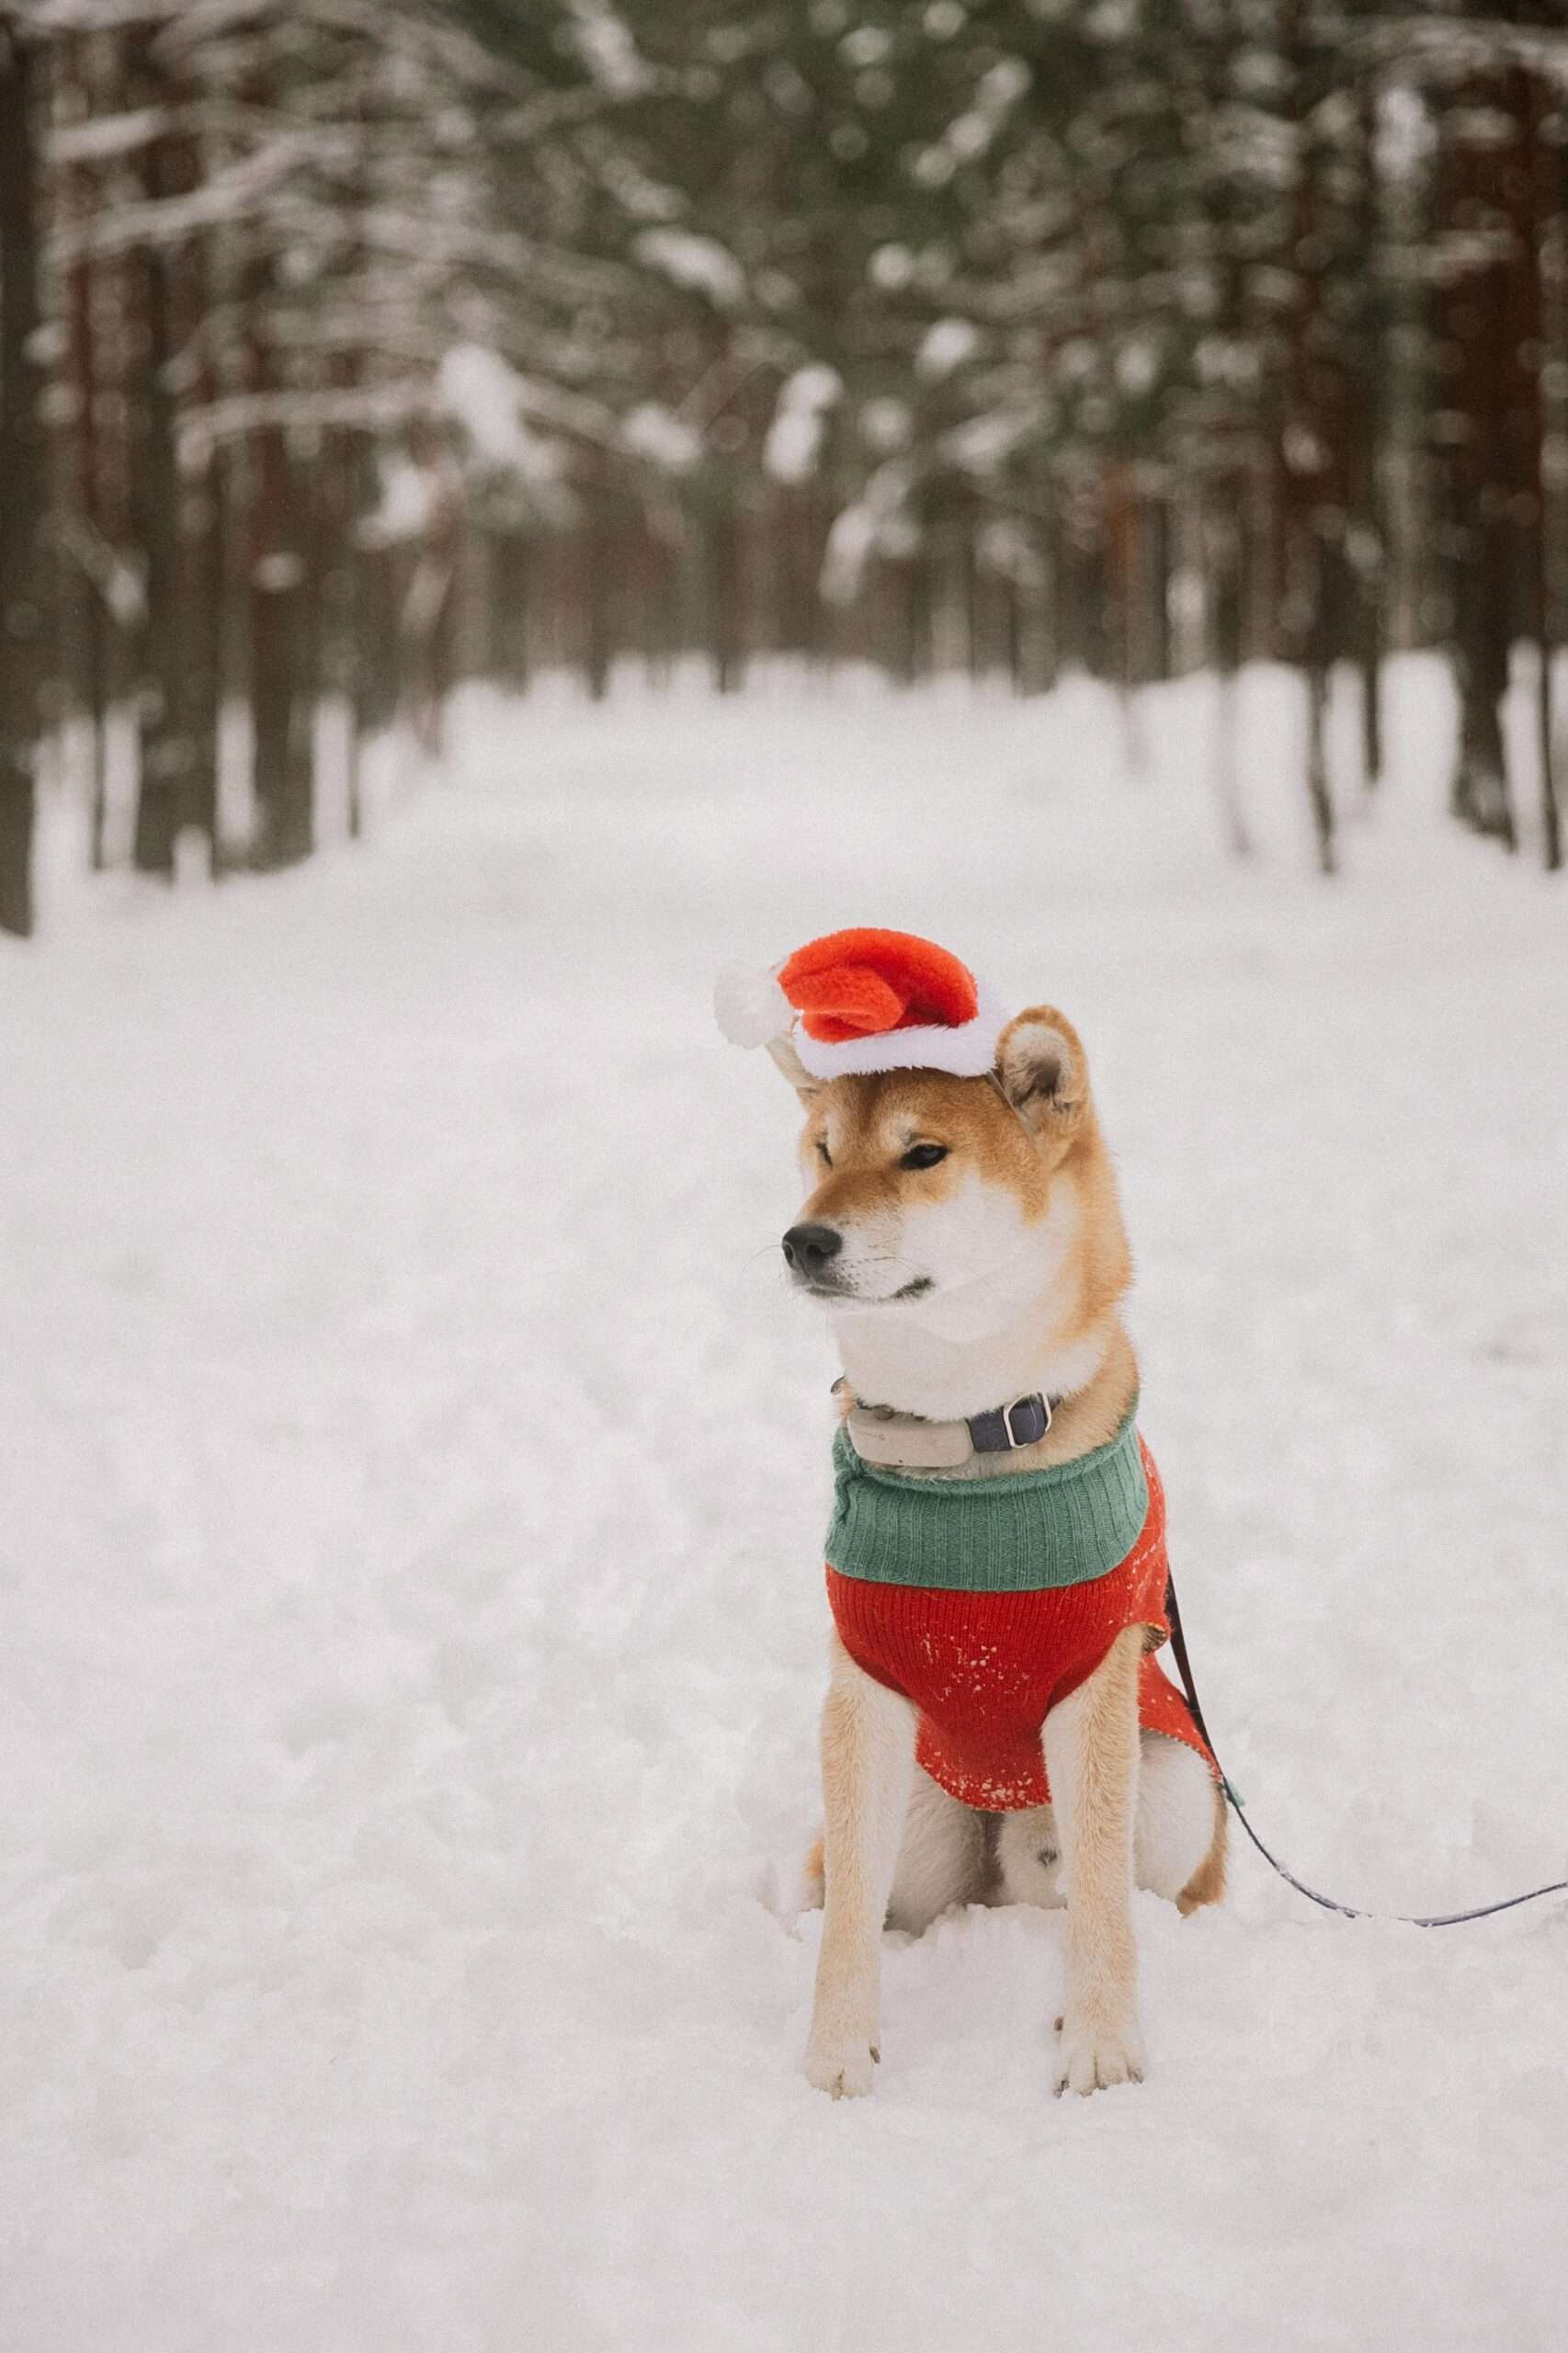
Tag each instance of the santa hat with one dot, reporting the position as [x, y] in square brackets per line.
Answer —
[861, 1000]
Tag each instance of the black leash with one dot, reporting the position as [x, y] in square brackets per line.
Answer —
[1329, 1903]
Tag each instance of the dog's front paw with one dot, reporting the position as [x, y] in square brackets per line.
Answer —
[1094, 2054]
[842, 2068]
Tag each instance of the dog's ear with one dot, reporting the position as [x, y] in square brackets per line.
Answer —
[1042, 1071]
[785, 1057]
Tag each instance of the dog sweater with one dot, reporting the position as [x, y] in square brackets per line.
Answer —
[986, 1601]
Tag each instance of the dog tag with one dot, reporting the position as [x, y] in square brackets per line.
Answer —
[898, 1442]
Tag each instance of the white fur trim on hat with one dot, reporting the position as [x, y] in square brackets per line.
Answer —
[749, 1005]
[964, 1049]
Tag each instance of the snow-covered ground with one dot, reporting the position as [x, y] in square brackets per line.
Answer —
[414, 1484]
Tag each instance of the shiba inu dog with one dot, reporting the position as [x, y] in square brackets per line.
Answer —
[996, 1726]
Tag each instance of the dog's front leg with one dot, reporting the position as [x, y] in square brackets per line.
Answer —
[867, 1763]
[1091, 1761]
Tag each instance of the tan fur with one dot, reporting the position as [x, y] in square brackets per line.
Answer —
[1091, 1761]
[868, 1768]
[1206, 1884]
[1030, 1138]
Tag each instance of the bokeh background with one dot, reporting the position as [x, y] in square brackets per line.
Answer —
[351, 351]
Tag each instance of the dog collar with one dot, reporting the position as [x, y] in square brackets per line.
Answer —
[906, 1442]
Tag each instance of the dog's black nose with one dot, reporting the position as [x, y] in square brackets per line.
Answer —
[809, 1248]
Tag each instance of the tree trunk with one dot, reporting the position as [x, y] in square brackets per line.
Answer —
[1368, 654]
[1479, 796]
[207, 572]
[299, 832]
[510, 578]
[725, 634]
[1315, 428]
[1049, 671]
[1223, 608]
[1319, 797]
[21, 478]
[166, 750]
[342, 671]
[598, 643]
[86, 586]
[430, 607]
[968, 597]
[1551, 815]
[282, 780]
[206, 568]
[1548, 123]
[380, 637]
[1366, 542]
[1487, 316]
[915, 641]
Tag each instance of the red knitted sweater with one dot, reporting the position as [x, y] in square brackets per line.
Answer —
[984, 1669]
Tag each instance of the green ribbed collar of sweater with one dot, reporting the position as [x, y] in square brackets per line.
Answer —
[1017, 1533]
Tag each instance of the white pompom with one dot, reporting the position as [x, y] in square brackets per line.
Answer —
[750, 1007]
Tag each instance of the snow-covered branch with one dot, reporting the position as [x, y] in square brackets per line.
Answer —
[235, 193]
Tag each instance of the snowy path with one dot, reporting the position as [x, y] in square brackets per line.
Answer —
[414, 1478]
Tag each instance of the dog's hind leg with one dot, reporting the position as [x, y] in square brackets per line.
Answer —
[1178, 1838]
[942, 1857]
[867, 1766]
[1206, 1884]
[1029, 1858]
[1091, 1761]
[1179, 1849]
[1179, 1844]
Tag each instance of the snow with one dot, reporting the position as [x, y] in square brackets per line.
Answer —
[701, 263]
[100, 139]
[886, 423]
[878, 521]
[946, 344]
[485, 395]
[414, 1482]
[891, 267]
[407, 501]
[666, 440]
[795, 432]
[608, 48]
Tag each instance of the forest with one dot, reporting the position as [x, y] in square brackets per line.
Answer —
[348, 352]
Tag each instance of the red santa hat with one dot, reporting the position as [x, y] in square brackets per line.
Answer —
[861, 1000]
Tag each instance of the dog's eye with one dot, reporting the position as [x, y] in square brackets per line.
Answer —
[824, 1154]
[924, 1155]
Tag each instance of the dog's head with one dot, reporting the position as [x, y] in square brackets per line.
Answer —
[923, 1187]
